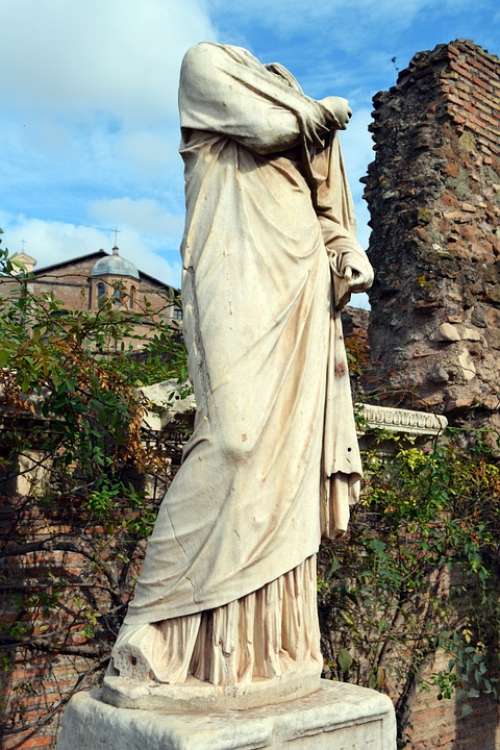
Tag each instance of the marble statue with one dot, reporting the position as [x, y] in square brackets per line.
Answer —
[227, 594]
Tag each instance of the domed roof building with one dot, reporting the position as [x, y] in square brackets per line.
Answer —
[114, 265]
[87, 282]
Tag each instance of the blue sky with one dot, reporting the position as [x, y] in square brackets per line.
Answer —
[88, 113]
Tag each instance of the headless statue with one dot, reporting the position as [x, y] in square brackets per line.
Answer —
[227, 594]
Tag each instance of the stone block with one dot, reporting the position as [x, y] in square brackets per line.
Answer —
[447, 332]
[338, 716]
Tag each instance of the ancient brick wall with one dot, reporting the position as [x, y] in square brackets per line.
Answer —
[434, 328]
[432, 194]
[36, 678]
[69, 284]
[446, 725]
[64, 584]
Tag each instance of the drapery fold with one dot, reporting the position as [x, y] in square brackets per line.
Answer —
[265, 634]
[268, 215]
[226, 90]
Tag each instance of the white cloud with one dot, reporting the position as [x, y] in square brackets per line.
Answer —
[89, 104]
[52, 241]
[143, 216]
[117, 58]
[149, 153]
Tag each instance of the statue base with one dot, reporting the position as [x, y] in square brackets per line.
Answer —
[195, 696]
[336, 716]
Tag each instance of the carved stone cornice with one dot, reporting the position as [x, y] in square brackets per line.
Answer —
[401, 420]
[167, 406]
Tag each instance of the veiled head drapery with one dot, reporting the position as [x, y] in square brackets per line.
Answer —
[269, 215]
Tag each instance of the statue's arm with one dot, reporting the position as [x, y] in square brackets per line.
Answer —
[337, 220]
[231, 94]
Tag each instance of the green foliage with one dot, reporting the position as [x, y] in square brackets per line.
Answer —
[415, 575]
[77, 372]
[70, 409]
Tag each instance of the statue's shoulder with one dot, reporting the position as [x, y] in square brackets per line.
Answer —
[205, 52]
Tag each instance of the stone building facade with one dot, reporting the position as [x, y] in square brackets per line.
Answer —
[433, 196]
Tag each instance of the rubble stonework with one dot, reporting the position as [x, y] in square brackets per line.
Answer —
[432, 194]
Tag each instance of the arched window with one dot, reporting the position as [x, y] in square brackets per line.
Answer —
[132, 297]
[101, 293]
[117, 295]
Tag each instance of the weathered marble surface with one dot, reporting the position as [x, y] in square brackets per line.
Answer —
[270, 255]
[198, 696]
[338, 717]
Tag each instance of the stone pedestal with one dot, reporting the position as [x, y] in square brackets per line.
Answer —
[338, 716]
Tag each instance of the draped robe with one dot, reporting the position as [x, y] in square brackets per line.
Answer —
[269, 218]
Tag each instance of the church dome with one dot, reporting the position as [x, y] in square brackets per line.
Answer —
[114, 265]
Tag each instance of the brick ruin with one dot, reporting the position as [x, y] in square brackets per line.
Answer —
[434, 329]
[432, 193]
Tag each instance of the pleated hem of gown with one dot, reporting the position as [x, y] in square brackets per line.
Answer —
[265, 634]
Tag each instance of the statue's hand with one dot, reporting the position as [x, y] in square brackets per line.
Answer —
[357, 271]
[340, 109]
[358, 281]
